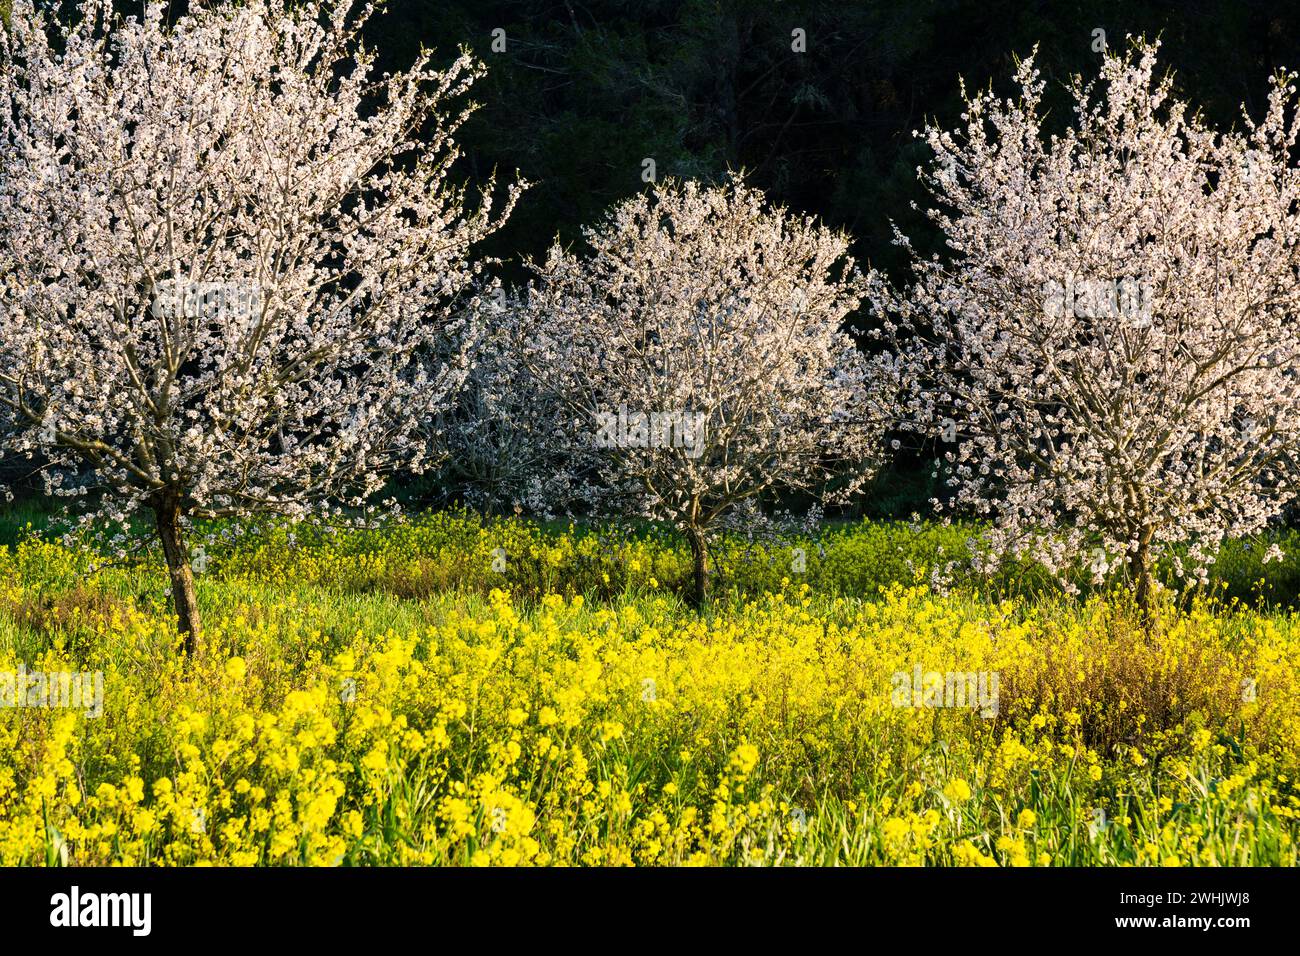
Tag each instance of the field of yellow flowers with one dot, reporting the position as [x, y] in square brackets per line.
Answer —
[452, 691]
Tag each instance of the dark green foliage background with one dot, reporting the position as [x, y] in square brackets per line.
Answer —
[586, 90]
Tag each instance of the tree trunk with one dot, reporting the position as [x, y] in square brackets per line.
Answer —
[1140, 572]
[699, 555]
[168, 513]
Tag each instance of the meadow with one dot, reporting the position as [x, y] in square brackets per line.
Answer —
[454, 690]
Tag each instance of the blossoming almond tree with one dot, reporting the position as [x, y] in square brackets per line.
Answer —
[1110, 351]
[228, 250]
[698, 359]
